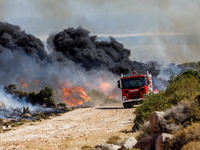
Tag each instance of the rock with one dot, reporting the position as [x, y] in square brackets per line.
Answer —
[123, 148]
[3, 127]
[146, 143]
[145, 128]
[178, 114]
[169, 120]
[157, 121]
[9, 127]
[172, 127]
[130, 143]
[105, 146]
[161, 140]
[26, 115]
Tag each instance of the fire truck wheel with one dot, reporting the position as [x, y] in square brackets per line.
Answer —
[128, 105]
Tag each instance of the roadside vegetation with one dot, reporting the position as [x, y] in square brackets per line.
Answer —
[182, 89]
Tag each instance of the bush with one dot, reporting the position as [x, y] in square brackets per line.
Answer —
[61, 105]
[185, 86]
[11, 88]
[154, 102]
[44, 97]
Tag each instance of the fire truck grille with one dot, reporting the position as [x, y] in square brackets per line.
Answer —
[135, 95]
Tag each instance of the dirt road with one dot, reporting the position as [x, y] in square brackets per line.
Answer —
[72, 130]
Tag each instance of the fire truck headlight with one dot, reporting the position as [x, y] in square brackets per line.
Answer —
[124, 98]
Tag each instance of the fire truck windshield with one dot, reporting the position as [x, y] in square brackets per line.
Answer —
[130, 83]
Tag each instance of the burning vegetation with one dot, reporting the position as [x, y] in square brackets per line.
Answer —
[18, 107]
[74, 95]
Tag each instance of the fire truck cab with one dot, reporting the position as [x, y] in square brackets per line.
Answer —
[134, 87]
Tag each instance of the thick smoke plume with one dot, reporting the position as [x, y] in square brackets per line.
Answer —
[14, 39]
[82, 48]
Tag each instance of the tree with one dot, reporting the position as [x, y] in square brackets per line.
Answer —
[11, 88]
[45, 96]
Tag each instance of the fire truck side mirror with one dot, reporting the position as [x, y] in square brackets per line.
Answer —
[118, 83]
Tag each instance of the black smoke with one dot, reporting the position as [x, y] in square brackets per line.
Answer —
[86, 50]
[14, 39]
[76, 45]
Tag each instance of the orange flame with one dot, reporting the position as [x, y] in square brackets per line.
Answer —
[104, 86]
[36, 82]
[26, 85]
[74, 95]
[23, 84]
[108, 89]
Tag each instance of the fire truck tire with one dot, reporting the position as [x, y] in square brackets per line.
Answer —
[129, 105]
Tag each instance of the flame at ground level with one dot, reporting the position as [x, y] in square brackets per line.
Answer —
[108, 89]
[74, 95]
[23, 84]
[26, 85]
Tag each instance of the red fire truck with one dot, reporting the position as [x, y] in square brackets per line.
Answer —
[134, 87]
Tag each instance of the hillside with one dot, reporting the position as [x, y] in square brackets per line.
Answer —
[173, 113]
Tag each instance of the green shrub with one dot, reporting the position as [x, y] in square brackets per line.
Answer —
[11, 88]
[44, 97]
[61, 105]
[154, 102]
[185, 86]
[191, 65]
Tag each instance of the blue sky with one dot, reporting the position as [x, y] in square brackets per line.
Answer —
[152, 29]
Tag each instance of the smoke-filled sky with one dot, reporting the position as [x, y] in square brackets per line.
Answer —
[151, 29]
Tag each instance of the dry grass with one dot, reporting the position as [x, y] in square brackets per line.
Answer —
[113, 139]
[185, 136]
[194, 145]
[86, 147]
[31, 146]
